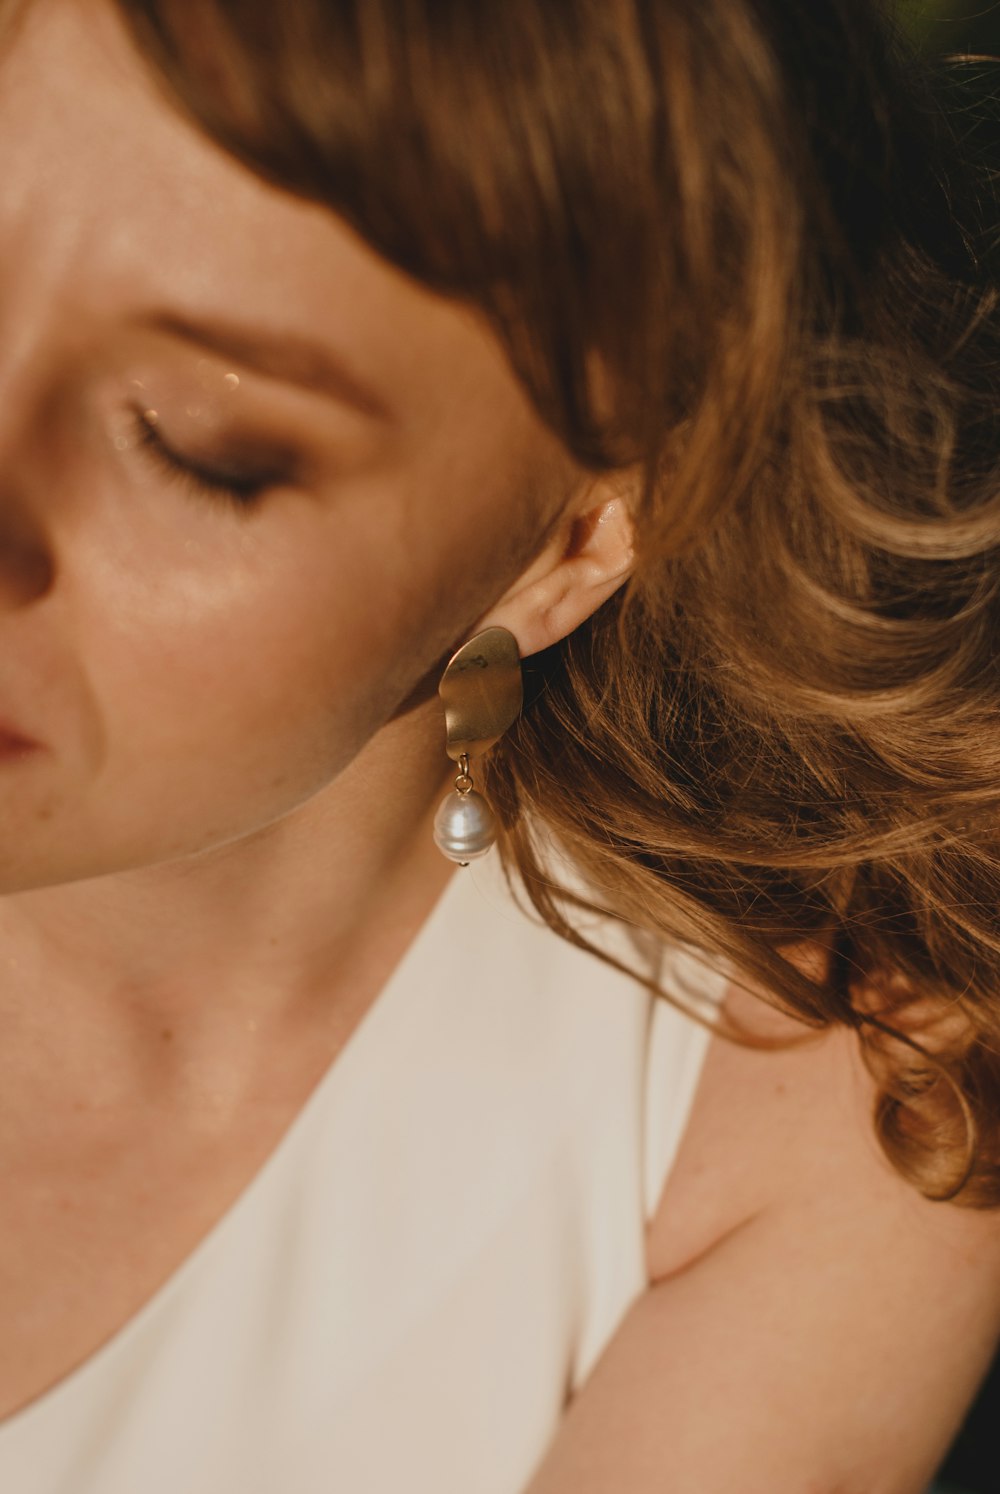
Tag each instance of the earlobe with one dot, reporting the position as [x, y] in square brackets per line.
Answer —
[589, 559]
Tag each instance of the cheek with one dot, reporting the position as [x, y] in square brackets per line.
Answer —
[233, 686]
[229, 669]
[277, 669]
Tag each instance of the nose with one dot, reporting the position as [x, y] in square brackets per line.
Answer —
[30, 397]
[27, 570]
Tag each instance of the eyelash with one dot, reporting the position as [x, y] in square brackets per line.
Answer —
[241, 492]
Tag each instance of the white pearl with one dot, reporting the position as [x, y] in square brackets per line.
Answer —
[464, 827]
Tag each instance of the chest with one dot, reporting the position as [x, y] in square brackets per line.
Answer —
[319, 1309]
[442, 1244]
[97, 1213]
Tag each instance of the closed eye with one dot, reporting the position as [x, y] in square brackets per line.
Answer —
[240, 486]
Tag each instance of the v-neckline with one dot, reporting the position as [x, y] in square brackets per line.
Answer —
[369, 1028]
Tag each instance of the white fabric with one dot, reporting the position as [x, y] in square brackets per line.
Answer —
[430, 1261]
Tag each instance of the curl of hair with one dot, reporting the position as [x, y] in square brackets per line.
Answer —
[744, 253]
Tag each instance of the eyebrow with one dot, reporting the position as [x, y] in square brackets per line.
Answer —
[285, 356]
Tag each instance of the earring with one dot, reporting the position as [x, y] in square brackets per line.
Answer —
[481, 690]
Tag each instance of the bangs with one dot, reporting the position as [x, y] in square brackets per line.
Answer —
[551, 165]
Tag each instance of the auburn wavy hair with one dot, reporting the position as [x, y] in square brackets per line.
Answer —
[742, 253]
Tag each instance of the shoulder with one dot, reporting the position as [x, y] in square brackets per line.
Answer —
[775, 1129]
[812, 1323]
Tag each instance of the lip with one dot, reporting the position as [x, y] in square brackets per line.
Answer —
[14, 743]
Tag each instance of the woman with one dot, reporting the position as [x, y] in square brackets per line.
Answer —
[333, 337]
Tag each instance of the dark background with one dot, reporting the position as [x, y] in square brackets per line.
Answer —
[954, 25]
[948, 27]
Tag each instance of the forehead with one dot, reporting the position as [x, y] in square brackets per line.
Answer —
[113, 201]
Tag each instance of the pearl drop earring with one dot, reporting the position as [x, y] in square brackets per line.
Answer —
[481, 690]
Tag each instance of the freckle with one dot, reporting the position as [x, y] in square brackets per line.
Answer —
[166, 1034]
[44, 813]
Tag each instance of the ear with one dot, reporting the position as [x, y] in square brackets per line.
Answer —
[587, 557]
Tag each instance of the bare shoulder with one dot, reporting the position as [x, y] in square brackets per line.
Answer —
[769, 1127]
[812, 1323]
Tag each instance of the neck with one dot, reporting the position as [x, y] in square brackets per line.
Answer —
[297, 925]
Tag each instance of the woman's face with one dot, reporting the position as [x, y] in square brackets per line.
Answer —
[197, 662]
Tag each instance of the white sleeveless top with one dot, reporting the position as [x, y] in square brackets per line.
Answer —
[433, 1257]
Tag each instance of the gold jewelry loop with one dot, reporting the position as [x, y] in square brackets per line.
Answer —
[463, 783]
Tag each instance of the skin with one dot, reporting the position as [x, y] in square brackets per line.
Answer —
[223, 848]
[223, 845]
[242, 738]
